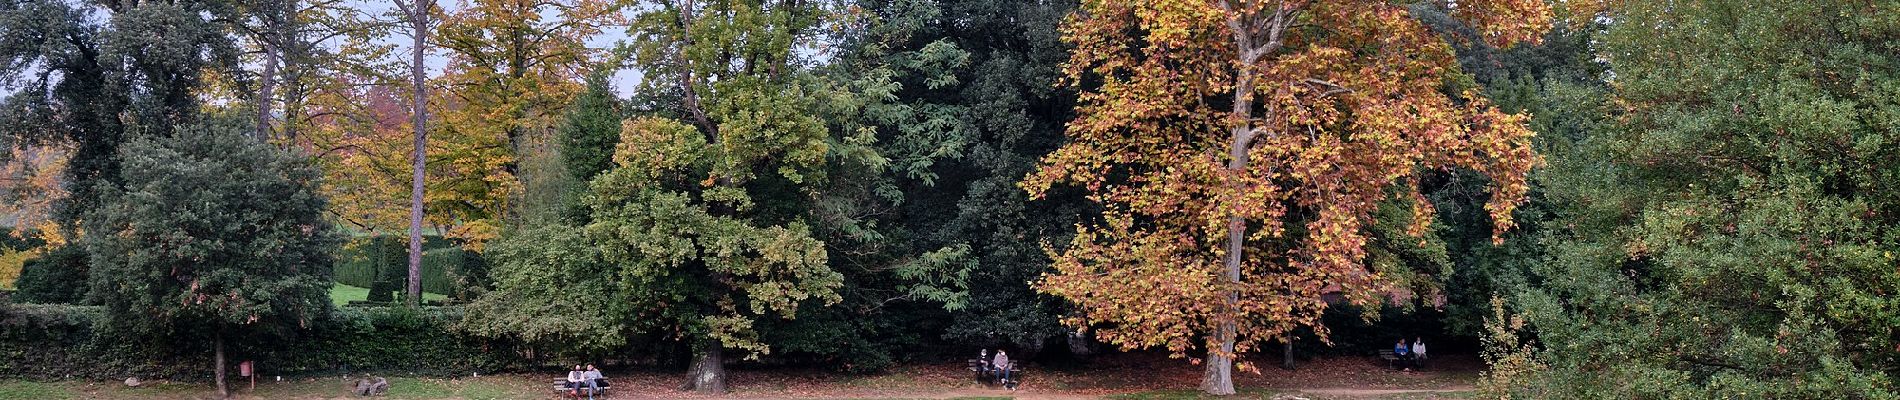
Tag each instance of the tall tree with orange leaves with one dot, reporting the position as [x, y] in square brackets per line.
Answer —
[1239, 147]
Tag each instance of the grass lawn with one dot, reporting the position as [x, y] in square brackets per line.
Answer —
[487, 387]
[342, 294]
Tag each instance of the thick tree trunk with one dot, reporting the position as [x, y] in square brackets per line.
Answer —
[1219, 378]
[708, 374]
[418, 20]
[217, 363]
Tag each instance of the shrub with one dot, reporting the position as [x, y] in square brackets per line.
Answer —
[58, 341]
[59, 276]
[455, 272]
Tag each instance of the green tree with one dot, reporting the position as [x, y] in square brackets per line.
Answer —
[1560, 83]
[924, 220]
[698, 229]
[211, 235]
[592, 129]
[87, 75]
[1733, 235]
[50, 278]
[588, 137]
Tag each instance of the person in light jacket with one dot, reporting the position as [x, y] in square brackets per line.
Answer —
[1002, 368]
[577, 379]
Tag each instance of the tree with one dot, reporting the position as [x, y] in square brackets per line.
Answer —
[1561, 84]
[89, 74]
[701, 217]
[591, 130]
[1733, 233]
[212, 234]
[513, 68]
[1290, 120]
[417, 14]
[923, 220]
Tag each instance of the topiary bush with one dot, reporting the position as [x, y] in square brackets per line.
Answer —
[58, 277]
[388, 257]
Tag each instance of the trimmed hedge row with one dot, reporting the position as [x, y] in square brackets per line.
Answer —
[381, 263]
[53, 341]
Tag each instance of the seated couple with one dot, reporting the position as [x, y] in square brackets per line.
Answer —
[589, 378]
[1413, 354]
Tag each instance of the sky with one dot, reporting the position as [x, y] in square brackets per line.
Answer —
[623, 81]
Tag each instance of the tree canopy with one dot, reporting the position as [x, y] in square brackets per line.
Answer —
[1614, 199]
[1281, 143]
[212, 233]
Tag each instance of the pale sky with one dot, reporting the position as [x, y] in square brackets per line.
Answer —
[623, 81]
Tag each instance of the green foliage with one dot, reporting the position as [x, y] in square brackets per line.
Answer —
[387, 259]
[212, 233]
[91, 76]
[959, 98]
[381, 263]
[1733, 235]
[553, 288]
[591, 131]
[1513, 358]
[65, 342]
[699, 225]
[1559, 82]
[59, 276]
[455, 272]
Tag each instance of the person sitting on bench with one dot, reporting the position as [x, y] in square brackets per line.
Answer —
[1404, 353]
[594, 379]
[1002, 368]
[983, 364]
[577, 379]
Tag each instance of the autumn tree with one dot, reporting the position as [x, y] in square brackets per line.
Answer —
[513, 68]
[1239, 148]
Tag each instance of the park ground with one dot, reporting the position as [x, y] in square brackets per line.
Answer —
[1121, 376]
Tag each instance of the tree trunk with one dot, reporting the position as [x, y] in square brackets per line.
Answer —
[708, 374]
[266, 83]
[1287, 360]
[1218, 378]
[217, 363]
[419, 21]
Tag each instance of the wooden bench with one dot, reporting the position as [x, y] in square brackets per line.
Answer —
[1391, 358]
[992, 377]
[560, 388]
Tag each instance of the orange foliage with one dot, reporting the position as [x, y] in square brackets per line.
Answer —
[1283, 124]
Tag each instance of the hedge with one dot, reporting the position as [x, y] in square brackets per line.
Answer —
[62, 342]
[381, 263]
[59, 276]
